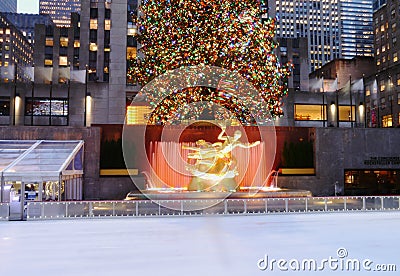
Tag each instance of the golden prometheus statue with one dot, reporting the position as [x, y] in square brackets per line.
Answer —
[215, 166]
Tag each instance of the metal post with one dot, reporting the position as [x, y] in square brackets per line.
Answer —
[68, 100]
[306, 204]
[225, 207]
[2, 188]
[337, 108]
[15, 94]
[286, 205]
[86, 93]
[51, 96]
[364, 205]
[345, 204]
[351, 105]
[33, 95]
[245, 206]
[266, 205]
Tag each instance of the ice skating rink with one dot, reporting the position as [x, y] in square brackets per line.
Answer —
[215, 245]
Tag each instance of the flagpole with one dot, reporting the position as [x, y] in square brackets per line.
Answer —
[351, 106]
[86, 92]
[15, 94]
[68, 99]
[337, 104]
[323, 101]
[32, 101]
[51, 96]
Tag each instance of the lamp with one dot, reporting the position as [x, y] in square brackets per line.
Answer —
[333, 107]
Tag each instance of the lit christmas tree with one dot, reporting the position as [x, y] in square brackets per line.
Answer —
[224, 33]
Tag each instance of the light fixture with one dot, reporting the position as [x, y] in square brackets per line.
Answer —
[333, 107]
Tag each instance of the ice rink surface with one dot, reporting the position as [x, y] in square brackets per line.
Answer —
[217, 245]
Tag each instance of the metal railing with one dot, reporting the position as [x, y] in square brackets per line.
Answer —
[140, 208]
[4, 211]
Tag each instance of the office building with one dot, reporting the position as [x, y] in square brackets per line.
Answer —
[383, 88]
[8, 6]
[60, 10]
[334, 29]
[26, 23]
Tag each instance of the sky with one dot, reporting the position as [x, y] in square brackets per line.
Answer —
[28, 6]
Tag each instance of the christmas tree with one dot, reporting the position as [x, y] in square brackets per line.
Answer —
[224, 33]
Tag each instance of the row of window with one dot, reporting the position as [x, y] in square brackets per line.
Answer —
[317, 112]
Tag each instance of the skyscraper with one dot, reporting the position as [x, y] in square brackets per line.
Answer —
[334, 28]
[356, 28]
[8, 6]
[60, 10]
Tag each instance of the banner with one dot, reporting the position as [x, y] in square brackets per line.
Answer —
[78, 76]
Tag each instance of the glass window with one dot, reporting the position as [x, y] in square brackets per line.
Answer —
[307, 112]
[63, 41]
[395, 58]
[48, 62]
[63, 61]
[382, 85]
[93, 24]
[49, 41]
[398, 98]
[383, 103]
[77, 44]
[107, 24]
[131, 53]
[387, 121]
[93, 47]
[4, 106]
[42, 107]
[346, 114]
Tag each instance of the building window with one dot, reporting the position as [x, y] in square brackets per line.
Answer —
[4, 106]
[63, 41]
[48, 62]
[63, 61]
[395, 57]
[398, 79]
[93, 47]
[46, 107]
[137, 115]
[346, 114]
[382, 86]
[387, 121]
[77, 44]
[131, 53]
[308, 112]
[93, 24]
[383, 103]
[49, 41]
[368, 91]
[107, 24]
[398, 98]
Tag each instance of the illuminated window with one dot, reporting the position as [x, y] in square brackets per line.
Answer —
[130, 53]
[107, 24]
[49, 41]
[93, 24]
[387, 121]
[8, 31]
[395, 58]
[64, 41]
[93, 47]
[48, 62]
[45, 107]
[63, 61]
[398, 98]
[382, 85]
[346, 114]
[307, 112]
[368, 91]
[4, 106]
[77, 44]
[137, 115]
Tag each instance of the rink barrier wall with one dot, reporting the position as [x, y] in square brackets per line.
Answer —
[4, 211]
[145, 208]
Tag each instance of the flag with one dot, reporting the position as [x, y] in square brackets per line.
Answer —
[358, 86]
[78, 76]
[316, 85]
[7, 72]
[29, 73]
[43, 74]
[331, 85]
[64, 73]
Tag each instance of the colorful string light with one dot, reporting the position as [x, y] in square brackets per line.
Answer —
[225, 33]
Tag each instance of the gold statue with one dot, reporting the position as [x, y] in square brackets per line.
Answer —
[215, 167]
